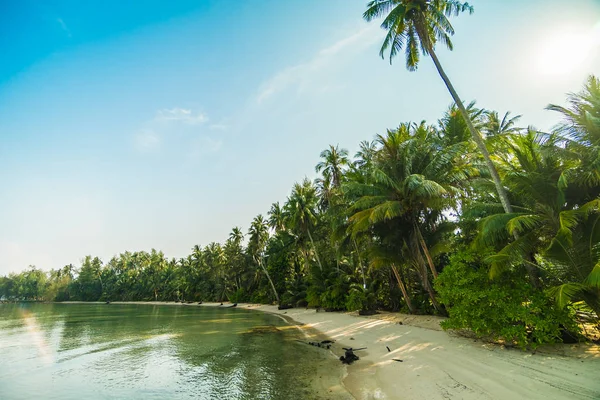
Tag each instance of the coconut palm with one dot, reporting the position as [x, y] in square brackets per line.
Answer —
[257, 242]
[494, 126]
[413, 181]
[276, 218]
[581, 131]
[301, 211]
[365, 154]
[332, 165]
[536, 174]
[236, 235]
[418, 25]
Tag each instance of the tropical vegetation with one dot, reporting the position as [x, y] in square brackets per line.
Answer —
[472, 217]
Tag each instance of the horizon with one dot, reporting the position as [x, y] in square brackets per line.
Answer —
[127, 131]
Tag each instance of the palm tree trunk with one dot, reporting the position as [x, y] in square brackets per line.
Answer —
[362, 269]
[531, 270]
[476, 136]
[426, 251]
[402, 287]
[315, 249]
[270, 281]
[422, 271]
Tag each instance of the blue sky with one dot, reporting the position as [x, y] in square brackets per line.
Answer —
[165, 124]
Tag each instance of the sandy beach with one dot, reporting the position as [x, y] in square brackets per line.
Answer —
[439, 365]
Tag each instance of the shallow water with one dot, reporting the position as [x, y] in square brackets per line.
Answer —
[97, 351]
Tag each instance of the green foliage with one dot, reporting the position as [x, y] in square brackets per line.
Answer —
[507, 308]
[360, 299]
[374, 232]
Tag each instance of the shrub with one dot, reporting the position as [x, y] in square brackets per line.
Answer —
[360, 299]
[506, 308]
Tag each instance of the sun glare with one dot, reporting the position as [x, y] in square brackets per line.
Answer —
[564, 53]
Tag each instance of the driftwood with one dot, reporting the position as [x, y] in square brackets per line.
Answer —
[349, 357]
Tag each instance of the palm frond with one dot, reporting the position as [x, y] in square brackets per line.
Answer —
[566, 293]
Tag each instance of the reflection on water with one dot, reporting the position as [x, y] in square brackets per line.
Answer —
[68, 351]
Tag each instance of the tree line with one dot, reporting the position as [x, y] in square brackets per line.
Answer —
[494, 225]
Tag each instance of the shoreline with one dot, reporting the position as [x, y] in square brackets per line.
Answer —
[436, 364]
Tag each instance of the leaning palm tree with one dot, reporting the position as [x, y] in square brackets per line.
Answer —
[420, 24]
[257, 242]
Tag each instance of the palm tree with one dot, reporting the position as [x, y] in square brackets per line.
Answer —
[276, 218]
[236, 235]
[543, 218]
[581, 132]
[414, 181]
[420, 24]
[257, 242]
[495, 127]
[301, 211]
[333, 162]
[365, 154]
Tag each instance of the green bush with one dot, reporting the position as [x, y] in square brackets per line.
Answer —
[239, 296]
[506, 308]
[360, 299]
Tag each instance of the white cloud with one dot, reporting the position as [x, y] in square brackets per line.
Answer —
[146, 140]
[181, 115]
[299, 75]
[64, 26]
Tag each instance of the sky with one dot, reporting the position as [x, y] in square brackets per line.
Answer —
[139, 125]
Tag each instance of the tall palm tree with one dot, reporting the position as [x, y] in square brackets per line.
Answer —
[365, 154]
[301, 211]
[420, 24]
[257, 242]
[236, 235]
[276, 218]
[414, 181]
[333, 162]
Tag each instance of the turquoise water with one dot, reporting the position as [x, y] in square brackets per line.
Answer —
[97, 351]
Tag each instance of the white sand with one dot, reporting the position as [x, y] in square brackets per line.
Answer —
[437, 365]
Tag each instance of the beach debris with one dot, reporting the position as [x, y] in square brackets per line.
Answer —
[221, 304]
[324, 344]
[351, 338]
[233, 305]
[400, 323]
[200, 302]
[349, 357]
[388, 349]
[395, 359]
[108, 302]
